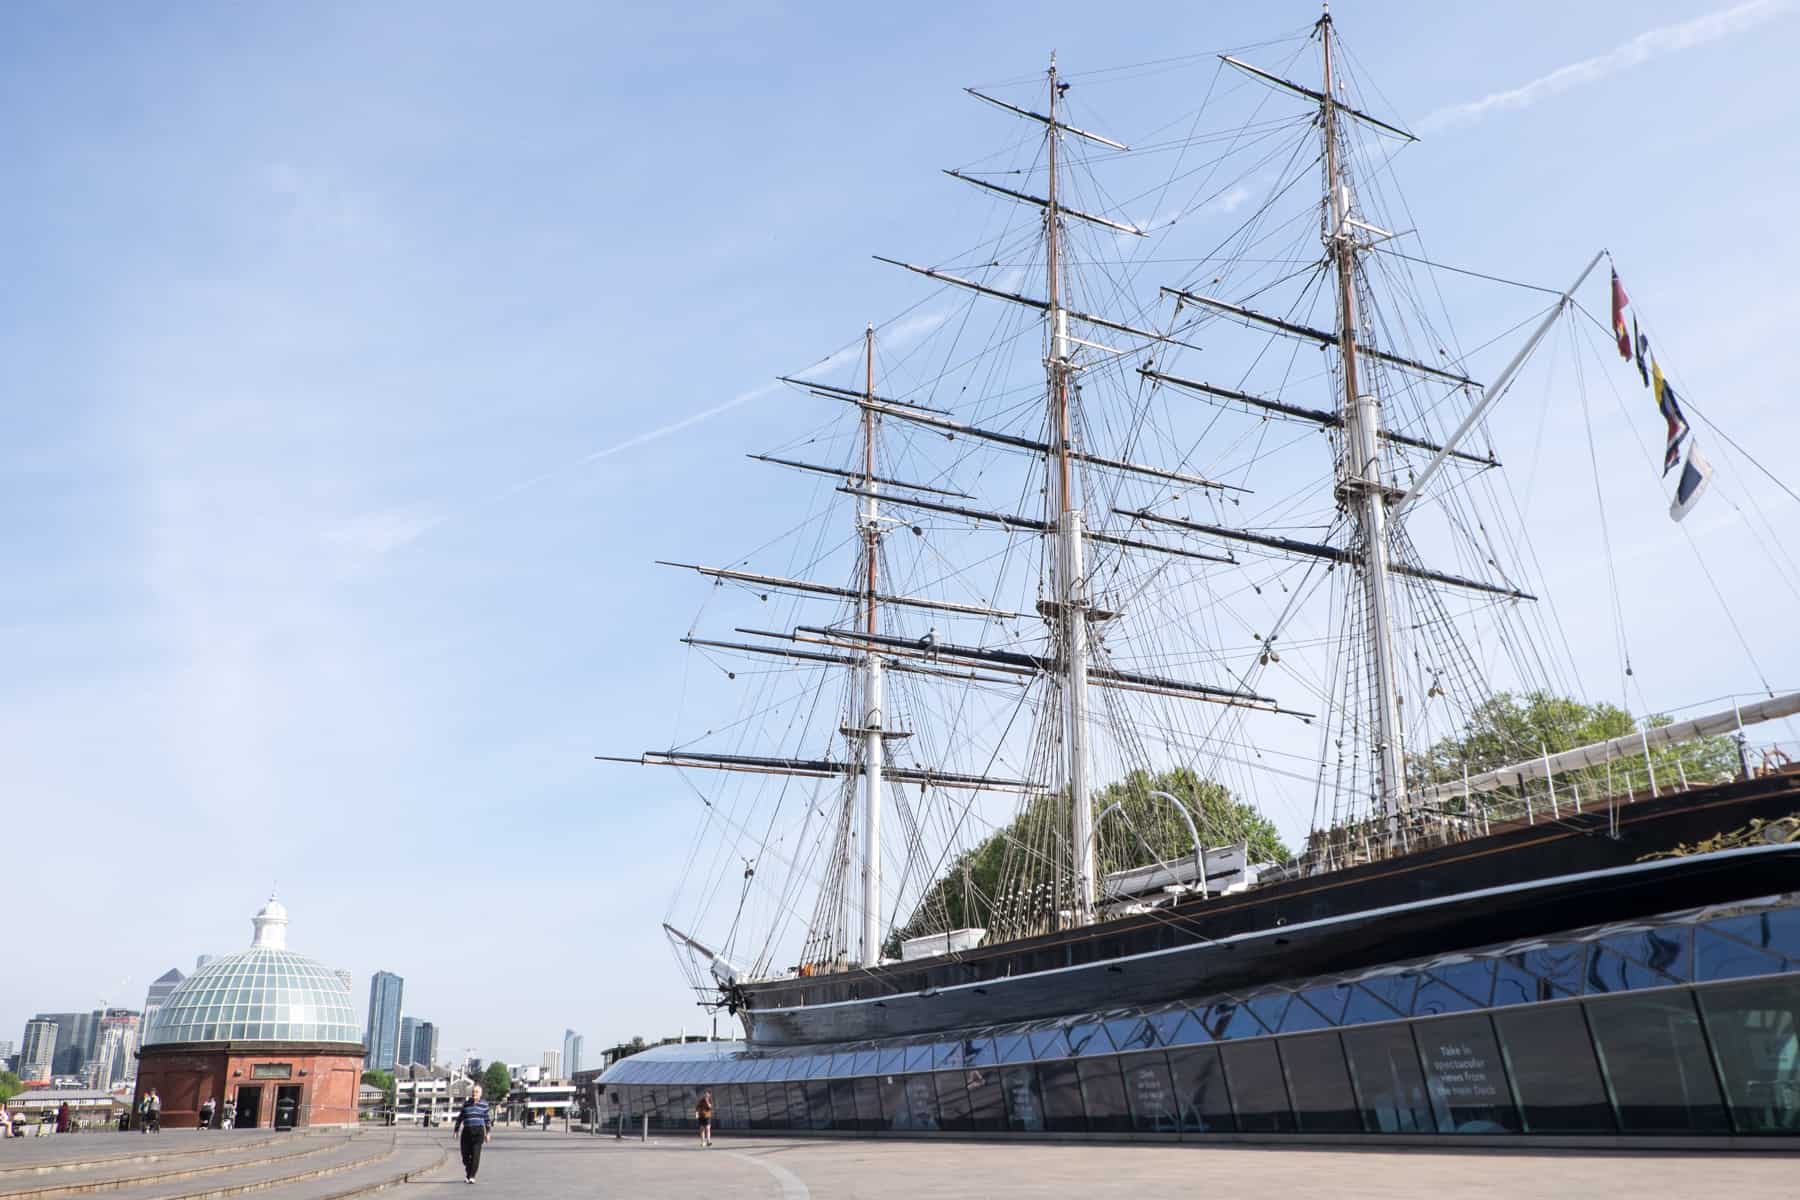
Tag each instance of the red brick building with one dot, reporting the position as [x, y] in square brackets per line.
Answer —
[269, 1033]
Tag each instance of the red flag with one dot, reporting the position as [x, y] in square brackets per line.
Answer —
[1620, 300]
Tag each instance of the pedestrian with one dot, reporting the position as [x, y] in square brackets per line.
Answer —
[6, 1129]
[155, 1112]
[703, 1114]
[144, 1113]
[207, 1109]
[546, 1118]
[62, 1117]
[476, 1126]
[230, 1114]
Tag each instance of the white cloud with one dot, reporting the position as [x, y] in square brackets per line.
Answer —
[1652, 43]
[380, 532]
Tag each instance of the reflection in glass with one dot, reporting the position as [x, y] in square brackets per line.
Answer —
[1390, 1087]
[1202, 1101]
[1755, 1030]
[1655, 1057]
[1103, 1095]
[921, 1099]
[799, 1114]
[1150, 1093]
[1719, 957]
[868, 1103]
[987, 1109]
[1319, 1083]
[1059, 1085]
[952, 1101]
[1464, 1075]
[1554, 1072]
[1024, 1105]
[1258, 1092]
[895, 1110]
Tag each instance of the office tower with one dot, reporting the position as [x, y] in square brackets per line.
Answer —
[159, 992]
[382, 1040]
[425, 1044]
[552, 1064]
[409, 1027]
[37, 1053]
[571, 1052]
[115, 1049]
[75, 1034]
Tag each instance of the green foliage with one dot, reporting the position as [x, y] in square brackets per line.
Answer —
[496, 1081]
[383, 1080]
[1145, 829]
[1508, 728]
[10, 1085]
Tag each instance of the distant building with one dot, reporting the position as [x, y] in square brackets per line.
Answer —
[472, 1066]
[6, 1052]
[37, 1053]
[200, 961]
[425, 1045]
[349, 980]
[75, 1034]
[383, 1030]
[571, 1052]
[403, 1053]
[159, 991]
[433, 1096]
[115, 1050]
[552, 1064]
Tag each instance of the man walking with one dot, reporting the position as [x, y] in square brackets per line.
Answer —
[703, 1109]
[476, 1126]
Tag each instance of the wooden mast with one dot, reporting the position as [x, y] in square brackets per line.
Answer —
[872, 718]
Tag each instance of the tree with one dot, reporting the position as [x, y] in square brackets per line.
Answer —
[10, 1085]
[1145, 829]
[496, 1081]
[383, 1080]
[1507, 728]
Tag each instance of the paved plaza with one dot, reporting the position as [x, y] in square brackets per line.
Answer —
[519, 1165]
[410, 1164]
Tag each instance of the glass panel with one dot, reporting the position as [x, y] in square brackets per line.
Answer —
[952, 1101]
[977, 1052]
[1328, 1001]
[1655, 1057]
[1389, 1085]
[1176, 1027]
[1049, 1043]
[1561, 965]
[921, 1100]
[918, 1058]
[1269, 1008]
[818, 1102]
[1775, 930]
[1227, 1020]
[1363, 1006]
[1395, 991]
[1258, 1092]
[1515, 985]
[987, 1108]
[1464, 1076]
[1669, 950]
[843, 1105]
[892, 1060]
[865, 1063]
[1024, 1105]
[759, 1105]
[1554, 1072]
[1319, 1083]
[895, 1111]
[1610, 971]
[1473, 979]
[1435, 997]
[1151, 1093]
[947, 1054]
[1103, 1095]
[776, 1094]
[1013, 1047]
[1089, 1037]
[868, 1103]
[1721, 957]
[1302, 1017]
[1131, 1033]
[1059, 1085]
[799, 1115]
[1755, 1030]
[734, 1108]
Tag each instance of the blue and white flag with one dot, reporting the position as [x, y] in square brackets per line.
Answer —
[1694, 478]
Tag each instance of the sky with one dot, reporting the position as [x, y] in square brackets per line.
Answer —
[359, 360]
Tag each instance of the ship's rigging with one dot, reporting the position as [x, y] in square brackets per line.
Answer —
[1089, 535]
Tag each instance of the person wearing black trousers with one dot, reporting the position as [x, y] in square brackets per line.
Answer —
[475, 1124]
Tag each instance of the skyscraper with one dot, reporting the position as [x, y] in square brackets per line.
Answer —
[409, 1028]
[381, 1041]
[425, 1044]
[37, 1054]
[159, 991]
[115, 1049]
[552, 1065]
[571, 1052]
[75, 1034]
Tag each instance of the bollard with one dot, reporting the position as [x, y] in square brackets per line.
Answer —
[646, 1136]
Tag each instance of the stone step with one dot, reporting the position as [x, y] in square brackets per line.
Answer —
[355, 1153]
[411, 1159]
[109, 1175]
[78, 1151]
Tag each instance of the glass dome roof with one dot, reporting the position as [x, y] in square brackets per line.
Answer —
[265, 993]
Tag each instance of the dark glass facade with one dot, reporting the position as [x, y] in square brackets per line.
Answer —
[1685, 1025]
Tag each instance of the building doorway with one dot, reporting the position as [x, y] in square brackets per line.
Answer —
[287, 1106]
[249, 1106]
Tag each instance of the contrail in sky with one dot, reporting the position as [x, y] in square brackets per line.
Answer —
[1652, 43]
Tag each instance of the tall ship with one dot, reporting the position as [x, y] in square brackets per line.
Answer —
[1168, 516]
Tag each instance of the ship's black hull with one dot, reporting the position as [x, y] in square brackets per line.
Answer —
[1517, 884]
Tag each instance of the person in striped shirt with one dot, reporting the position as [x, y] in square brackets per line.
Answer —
[476, 1126]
